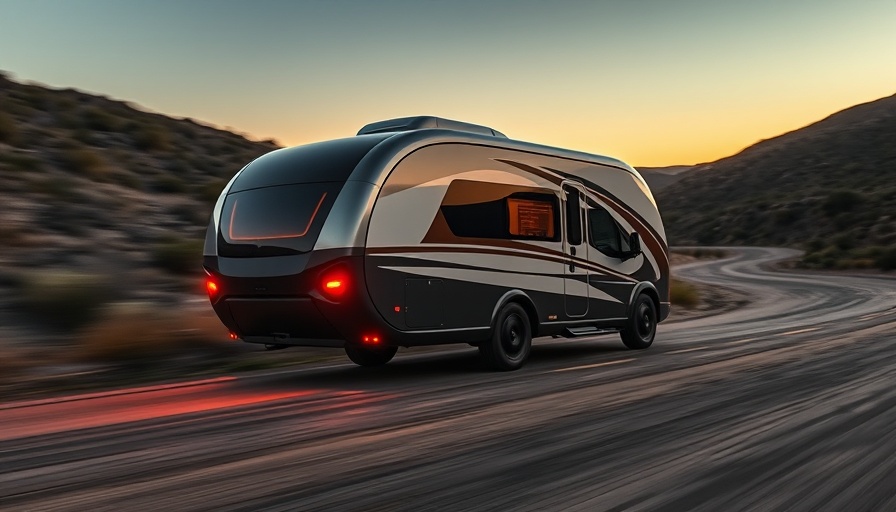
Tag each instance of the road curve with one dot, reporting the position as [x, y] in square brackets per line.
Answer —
[785, 404]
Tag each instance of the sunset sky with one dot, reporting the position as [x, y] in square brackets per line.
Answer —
[652, 82]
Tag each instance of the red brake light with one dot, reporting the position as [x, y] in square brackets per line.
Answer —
[211, 287]
[334, 284]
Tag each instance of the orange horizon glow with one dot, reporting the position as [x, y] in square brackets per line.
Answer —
[651, 83]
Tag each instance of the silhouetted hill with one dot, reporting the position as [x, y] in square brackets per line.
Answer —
[659, 178]
[829, 188]
[88, 183]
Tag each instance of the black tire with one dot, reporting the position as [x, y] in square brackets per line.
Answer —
[511, 339]
[640, 327]
[366, 356]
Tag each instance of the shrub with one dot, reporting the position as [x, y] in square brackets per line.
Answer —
[169, 184]
[98, 119]
[703, 253]
[22, 162]
[684, 294]
[64, 300]
[9, 132]
[151, 138]
[179, 256]
[14, 236]
[85, 162]
[840, 201]
[886, 260]
[208, 192]
[61, 188]
[127, 179]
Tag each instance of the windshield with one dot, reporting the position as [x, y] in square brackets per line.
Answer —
[274, 221]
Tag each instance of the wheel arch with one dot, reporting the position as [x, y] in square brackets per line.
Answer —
[520, 297]
[648, 289]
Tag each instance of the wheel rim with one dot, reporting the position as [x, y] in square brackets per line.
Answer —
[513, 336]
[644, 321]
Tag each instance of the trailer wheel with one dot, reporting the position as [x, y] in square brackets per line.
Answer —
[365, 356]
[640, 328]
[511, 339]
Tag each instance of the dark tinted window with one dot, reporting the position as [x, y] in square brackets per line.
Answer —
[274, 220]
[519, 216]
[332, 160]
[573, 216]
[478, 220]
[604, 234]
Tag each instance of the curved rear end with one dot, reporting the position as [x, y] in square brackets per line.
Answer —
[271, 282]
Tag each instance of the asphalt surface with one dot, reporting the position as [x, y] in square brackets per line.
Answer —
[787, 404]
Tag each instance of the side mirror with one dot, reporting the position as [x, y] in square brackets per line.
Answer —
[634, 245]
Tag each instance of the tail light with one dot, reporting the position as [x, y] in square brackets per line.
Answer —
[211, 287]
[334, 284]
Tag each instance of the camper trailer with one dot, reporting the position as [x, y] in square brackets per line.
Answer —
[423, 231]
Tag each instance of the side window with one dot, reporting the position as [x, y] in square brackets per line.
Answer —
[532, 217]
[573, 216]
[503, 213]
[604, 234]
[477, 220]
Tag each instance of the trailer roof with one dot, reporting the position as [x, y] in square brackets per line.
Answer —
[404, 124]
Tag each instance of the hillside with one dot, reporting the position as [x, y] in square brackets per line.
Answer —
[829, 188]
[96, 185]
[658, 178]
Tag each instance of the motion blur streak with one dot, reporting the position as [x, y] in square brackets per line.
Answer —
[757, 420]
[19, 422]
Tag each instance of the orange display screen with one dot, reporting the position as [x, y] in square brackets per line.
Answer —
[531, 218]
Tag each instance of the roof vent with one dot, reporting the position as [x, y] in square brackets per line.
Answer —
[405, 124]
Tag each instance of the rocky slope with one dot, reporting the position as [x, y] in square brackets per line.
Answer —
[90, 184]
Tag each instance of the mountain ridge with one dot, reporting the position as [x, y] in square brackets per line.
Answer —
[828, 188]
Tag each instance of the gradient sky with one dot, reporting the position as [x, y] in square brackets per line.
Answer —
[652, 82]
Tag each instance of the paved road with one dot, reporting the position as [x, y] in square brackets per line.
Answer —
[787, 404]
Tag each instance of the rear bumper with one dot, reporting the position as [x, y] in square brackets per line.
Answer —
[277, 318]
[295, 342]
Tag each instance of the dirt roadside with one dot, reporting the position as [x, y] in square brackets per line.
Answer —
[711, 300]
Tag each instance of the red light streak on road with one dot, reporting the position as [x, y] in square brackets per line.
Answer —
[52, 417]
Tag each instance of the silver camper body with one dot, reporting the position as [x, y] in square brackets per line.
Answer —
[435, 230]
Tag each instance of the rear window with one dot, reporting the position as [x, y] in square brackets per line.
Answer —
[274, 221]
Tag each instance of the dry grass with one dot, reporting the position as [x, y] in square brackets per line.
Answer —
[85, 162]
[181, 256]
[12, 364]
[684, 294]
[63, 299]
[141, 333]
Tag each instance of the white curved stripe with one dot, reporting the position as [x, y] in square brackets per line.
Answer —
[505, 279]
[487, 176]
